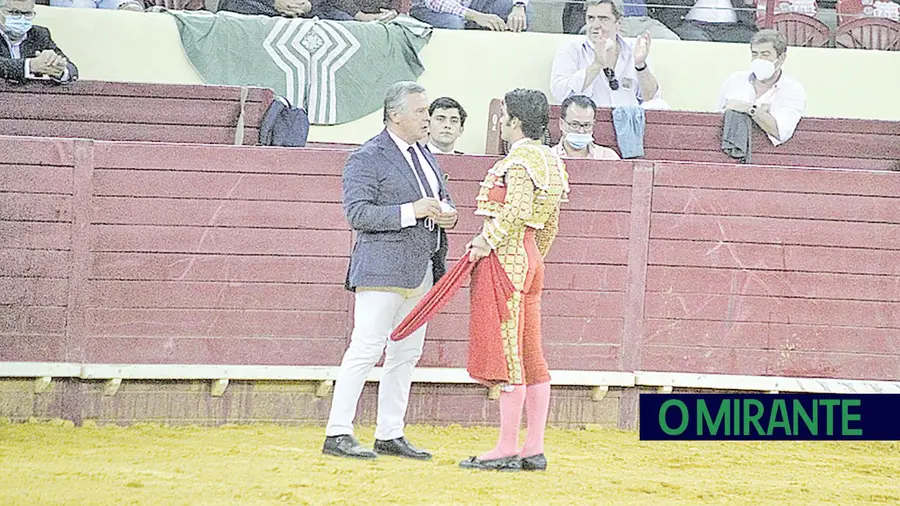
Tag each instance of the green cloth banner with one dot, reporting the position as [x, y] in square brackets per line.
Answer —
[337, 71]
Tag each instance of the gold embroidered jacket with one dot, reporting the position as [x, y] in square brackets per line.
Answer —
[536, 182]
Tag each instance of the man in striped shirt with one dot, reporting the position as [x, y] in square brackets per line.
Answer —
[497, 15]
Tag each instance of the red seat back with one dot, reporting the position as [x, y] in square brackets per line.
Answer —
[869, 33]
[804, 7]
[802, 30]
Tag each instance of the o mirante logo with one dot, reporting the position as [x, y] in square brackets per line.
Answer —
[768, 416]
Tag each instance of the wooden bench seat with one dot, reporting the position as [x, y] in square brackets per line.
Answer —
[696, 137]
[132, 112]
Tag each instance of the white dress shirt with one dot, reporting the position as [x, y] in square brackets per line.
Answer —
[570, 67]
[786, 100]
[434, 149]
[407, 213]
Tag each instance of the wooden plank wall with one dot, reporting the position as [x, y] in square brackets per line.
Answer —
[132, 111]
[236, 255]
[697, 137]
[203, 255]
[36, 216]
[785, 272]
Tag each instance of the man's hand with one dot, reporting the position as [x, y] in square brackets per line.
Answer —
[386, 15]
[489, 21]
[738, 105]
[48, 63]
[601, 52]
[447, 219]
[516, 22]
[478, 248]
[427, 208]
[641, 49]
[131, 6]
[293, 8]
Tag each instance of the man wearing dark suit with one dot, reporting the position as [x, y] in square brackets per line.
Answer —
[397, 203]
[28, 52]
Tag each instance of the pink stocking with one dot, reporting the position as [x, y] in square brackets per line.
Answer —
[537, 406]
[510, 420]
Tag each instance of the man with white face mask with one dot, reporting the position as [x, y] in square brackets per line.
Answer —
[27, 52]
[775, 101]
[576, 122]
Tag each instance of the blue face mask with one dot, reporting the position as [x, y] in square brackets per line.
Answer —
[16, 26]
[578, 140]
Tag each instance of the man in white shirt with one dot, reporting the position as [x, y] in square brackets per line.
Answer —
[576, 121]
[395, 199]
[603, 66]
[776, 102]
[447, 123]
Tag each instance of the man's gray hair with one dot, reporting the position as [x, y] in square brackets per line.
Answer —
[773, 37]
[617, 8]
[395, 98]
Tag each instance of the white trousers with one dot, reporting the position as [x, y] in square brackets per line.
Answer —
[375, 316]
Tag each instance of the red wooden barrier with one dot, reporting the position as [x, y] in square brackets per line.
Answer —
[131, 111]
[162, 253]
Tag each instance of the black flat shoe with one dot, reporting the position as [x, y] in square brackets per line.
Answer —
[535, 463]
[346, 446]
[502, 464]
[400, 447]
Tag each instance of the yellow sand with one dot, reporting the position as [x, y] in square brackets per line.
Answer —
[55, 463]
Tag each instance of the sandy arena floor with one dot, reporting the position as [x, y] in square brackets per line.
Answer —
[57, 464]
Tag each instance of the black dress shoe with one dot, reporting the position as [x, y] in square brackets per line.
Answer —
[400, 447]
[346, 446]
[535, 463]
[502, 464]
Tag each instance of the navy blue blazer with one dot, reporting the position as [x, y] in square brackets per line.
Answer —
[377, 180]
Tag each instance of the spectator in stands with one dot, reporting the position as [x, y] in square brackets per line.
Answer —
[634, 22]
[340, 10]
[127, 5]
[576, 121]
[603, 66]
[709, 20]
[776, 102]
[448, 121]
[27, 51]
[497, 15]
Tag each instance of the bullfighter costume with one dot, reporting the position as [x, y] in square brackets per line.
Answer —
[519, 200]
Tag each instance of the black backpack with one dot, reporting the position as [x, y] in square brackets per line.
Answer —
[284, 125]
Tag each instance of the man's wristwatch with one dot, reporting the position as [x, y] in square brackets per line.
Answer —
[519, 4]
[752, 110]
[641, 69]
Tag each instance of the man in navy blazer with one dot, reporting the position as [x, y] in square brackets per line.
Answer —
[27, 52]
[396, 201]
